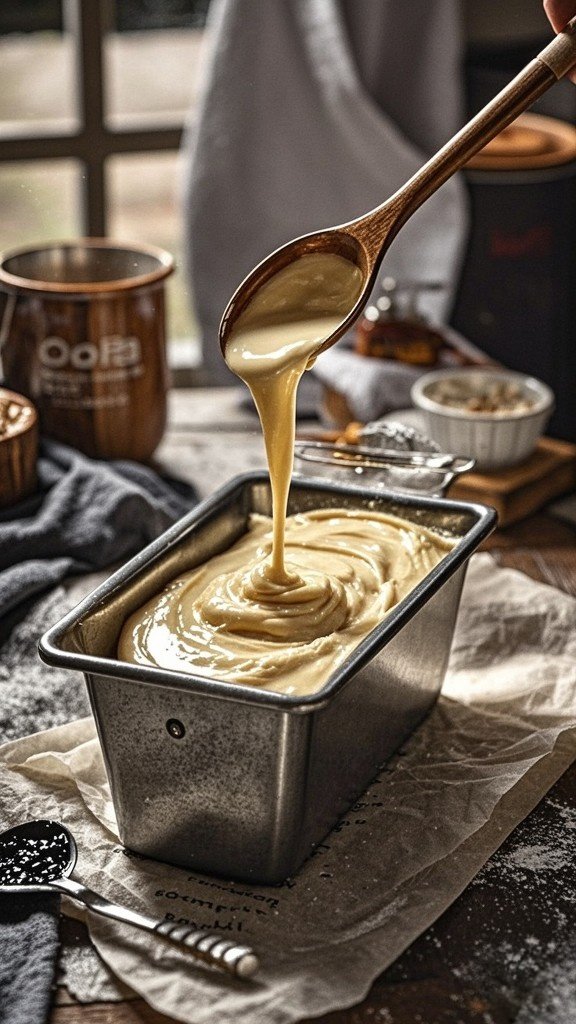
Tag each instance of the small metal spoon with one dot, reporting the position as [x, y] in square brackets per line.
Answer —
[39, 856]
[364, 241]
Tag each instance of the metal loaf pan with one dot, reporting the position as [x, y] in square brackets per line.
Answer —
[236, 780]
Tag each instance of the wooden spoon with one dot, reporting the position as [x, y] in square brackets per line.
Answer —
[365, 240]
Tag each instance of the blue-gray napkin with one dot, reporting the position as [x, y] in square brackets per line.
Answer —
[32, 698]
[28, 950]
[84, 516]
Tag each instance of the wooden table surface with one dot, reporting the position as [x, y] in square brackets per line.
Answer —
[209, 439]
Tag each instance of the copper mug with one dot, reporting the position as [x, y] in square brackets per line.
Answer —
[84, 336]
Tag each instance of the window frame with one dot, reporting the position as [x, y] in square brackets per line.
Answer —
[92, 142]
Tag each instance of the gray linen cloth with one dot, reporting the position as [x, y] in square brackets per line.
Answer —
[313, 112]
[85, 515]
[28, 949]
[32, 698]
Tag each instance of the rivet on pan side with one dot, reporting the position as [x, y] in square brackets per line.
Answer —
[175, 728]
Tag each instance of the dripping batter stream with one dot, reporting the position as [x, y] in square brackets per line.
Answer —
[283, 612]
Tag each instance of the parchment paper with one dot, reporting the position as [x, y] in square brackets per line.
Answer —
[501, 734]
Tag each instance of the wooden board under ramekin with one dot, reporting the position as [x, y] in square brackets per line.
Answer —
[518, 491]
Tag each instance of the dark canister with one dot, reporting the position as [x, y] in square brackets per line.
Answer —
[517, 294]
[84, 336]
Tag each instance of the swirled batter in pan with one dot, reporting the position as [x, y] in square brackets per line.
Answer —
[229, 620]
[286, 604]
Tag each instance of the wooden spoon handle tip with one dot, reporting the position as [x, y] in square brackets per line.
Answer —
[560, 54]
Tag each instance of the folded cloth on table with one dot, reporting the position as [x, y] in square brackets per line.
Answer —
[84, 516]
[373, 387]
[28, 948]
[32, 698]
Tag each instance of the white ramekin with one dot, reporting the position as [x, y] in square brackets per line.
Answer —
[493, 440]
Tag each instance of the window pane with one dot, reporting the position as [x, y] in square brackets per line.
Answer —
[144, 207]
[39, 201]
[33, 15]
[152, 77]
[141, 14]
[37, 94]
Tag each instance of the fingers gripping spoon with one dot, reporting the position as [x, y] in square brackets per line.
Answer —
[363, 242]
[39, 856]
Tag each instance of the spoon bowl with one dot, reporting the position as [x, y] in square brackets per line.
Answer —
[34, 855]
[364, 241]
[39, 856]
[339, 241]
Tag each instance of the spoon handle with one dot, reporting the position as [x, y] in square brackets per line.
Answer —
[551, 64]
[210, 948]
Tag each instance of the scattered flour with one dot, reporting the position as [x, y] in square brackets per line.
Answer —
[531, 883]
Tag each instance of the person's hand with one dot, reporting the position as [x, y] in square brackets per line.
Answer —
[559, 13]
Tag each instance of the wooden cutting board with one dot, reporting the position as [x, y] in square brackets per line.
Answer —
[520, 490]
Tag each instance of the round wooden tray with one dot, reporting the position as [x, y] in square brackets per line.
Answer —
[18, 447]
[531, 142]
